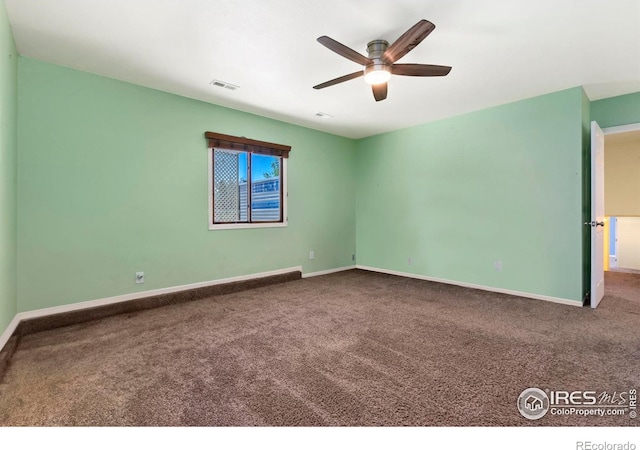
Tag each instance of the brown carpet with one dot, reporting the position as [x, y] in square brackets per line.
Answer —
[349, 349]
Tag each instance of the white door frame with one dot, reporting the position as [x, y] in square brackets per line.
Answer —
[616, 130]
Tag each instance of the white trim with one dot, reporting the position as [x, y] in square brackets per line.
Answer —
[239, 226]
[327, 272]
[137, 295]
[210, 185]
[547, 298]
[4, 338]
[622, 128]
[6, 335]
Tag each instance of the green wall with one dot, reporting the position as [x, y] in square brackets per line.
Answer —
[615, 111]
[113, 180]
[8, 170]
[457, 195]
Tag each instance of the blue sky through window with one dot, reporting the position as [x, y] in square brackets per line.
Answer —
[260, 164]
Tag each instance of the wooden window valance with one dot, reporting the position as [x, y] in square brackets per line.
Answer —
[224, 141]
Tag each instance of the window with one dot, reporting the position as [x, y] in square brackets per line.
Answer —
[247, 186]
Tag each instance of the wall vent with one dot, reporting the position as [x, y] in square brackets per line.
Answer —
[224, 85]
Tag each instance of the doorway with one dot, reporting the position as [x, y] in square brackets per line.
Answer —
[621, 205]
[624, 244]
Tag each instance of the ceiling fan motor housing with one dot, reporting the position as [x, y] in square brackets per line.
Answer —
[375, 50]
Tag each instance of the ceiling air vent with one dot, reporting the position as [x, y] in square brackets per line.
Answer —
[224, 84]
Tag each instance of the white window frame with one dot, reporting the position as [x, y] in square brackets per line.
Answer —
[238, 226]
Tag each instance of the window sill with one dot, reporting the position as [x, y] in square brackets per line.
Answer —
[239, 226]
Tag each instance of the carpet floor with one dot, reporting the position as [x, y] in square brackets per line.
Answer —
[353, 348]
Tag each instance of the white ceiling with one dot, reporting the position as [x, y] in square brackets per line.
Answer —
[500, 50]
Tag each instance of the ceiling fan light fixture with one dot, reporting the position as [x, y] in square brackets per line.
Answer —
[377, 73]
[381, 60]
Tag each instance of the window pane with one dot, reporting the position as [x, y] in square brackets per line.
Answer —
[229, 186]
[243, 176]
[265, 188]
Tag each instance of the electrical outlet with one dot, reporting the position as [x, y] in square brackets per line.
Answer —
[410, 261]
[353, 257]
[498, 265]
[139, 277]
[312, 254]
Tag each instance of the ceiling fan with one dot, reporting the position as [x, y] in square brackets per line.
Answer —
[380, 64]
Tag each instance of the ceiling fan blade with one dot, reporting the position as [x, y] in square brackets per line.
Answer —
[343, 50]
[405, 43]
[341, 79]
[420, 70]
[379, 91]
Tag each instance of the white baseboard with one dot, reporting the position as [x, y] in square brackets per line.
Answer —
[4, 338]
[137, 295]
[547, 298]
[6, 335]
[327, 272]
